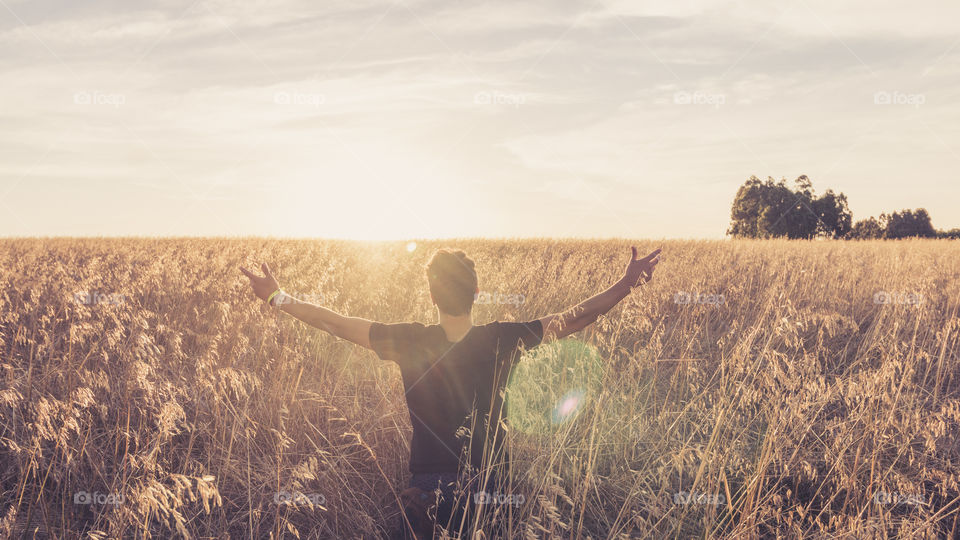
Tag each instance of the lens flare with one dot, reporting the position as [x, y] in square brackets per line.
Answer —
[411, 247]
[551, 385]
[568, 406]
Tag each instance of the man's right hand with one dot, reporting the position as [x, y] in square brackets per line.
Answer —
[640, 271]
[264, 285]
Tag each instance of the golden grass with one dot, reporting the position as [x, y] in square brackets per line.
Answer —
[796, 407]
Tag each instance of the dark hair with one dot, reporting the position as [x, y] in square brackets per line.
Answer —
[453, 281]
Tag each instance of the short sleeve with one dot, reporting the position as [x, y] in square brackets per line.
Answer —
[393, 341]
[520, 335]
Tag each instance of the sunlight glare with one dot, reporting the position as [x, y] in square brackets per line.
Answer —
[568, 406]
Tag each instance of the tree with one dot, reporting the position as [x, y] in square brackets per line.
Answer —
[833, 213]
[908, 223]
[772, 209]
[866, 229]
[902, 224]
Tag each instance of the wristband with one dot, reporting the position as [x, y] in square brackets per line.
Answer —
[270, 298]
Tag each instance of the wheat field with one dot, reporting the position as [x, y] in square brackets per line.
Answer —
[753, 389]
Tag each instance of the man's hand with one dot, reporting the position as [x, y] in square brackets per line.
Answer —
[262, 285]
[563, 324]
[352, 329]
[640, 271]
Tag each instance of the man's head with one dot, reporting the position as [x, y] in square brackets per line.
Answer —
[453, 281]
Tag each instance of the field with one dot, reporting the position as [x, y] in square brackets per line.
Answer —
[753, 389]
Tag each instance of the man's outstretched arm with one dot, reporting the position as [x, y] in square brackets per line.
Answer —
[352, 329]
[585, 313]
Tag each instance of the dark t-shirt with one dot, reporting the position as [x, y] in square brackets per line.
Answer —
[450, 386]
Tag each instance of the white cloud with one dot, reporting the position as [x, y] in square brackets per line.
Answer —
[588, 97]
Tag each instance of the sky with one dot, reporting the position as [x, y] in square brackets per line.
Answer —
[440, 119]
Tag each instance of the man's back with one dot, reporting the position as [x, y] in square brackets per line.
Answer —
[446, 381]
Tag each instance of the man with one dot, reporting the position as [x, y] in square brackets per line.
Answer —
[454, 374]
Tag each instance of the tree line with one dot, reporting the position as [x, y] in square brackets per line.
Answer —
[770, 209]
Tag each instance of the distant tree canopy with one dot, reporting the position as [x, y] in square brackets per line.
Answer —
[902, 224]
[867, 228]
[772, 209]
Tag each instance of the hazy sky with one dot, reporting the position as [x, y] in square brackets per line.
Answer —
[466, 118]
